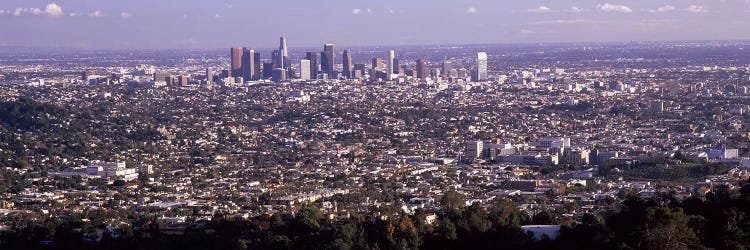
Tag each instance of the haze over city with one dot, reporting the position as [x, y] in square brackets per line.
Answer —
[140, 24]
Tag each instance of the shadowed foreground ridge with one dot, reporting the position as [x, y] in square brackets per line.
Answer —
[719, 222]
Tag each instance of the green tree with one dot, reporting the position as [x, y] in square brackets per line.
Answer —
[447, 229]
[505, 213]
[545, 217]
[667, 228]
[453, 200]
[308, 220]
[478, 219]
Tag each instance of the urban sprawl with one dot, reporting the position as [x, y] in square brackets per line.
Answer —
[184, 137]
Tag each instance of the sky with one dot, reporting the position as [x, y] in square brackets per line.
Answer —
[162, 24]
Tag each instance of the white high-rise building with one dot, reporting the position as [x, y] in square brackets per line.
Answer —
[389, 72]
[481, 67]
[304, 70]
[474, 150]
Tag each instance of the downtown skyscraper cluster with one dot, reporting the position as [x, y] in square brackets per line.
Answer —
[246, 65]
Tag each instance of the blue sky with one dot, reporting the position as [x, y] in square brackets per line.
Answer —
[136, 24]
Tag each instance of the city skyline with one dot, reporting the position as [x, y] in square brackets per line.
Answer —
[70, 24]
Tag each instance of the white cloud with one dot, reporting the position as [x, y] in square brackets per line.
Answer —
[125, 15]
[665, 8]
[575, 9]
[369, 10]
[356, 11]
[696, 9]
[53, 10]
[391, 12]
[97, 13]
[540, 10]
[607, 7]
[471, 10]
[217, 16]
[72, 14]
[24, 11]
[4, 12]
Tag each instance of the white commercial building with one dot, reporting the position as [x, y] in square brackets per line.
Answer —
[554, 142]
[389, 70]
[304, 70]
[481, 67]
[723, 153]
[112, 170]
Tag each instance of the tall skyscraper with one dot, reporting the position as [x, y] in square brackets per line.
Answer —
[278, 59]
[396, 66]
[359, 70]
[278, 75]
[257, 66]
[327, 59]
[447, 66]
[376, 63]
[304, 70]
[236, 62]
[267, 70]
[481, 67]
[347, 64]
[284, 53]
[209, 75]
[248, 64]
[282, 46]
[421, 69]
[389, 70]
[182, 80]
[313, 58]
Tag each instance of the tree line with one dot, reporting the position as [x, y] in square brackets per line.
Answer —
[718, 221]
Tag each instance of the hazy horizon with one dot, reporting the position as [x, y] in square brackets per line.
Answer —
[340, 48]
[191, 24]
